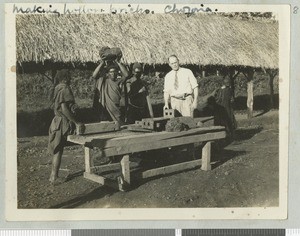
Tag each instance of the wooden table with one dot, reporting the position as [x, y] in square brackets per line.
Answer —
[124, 143]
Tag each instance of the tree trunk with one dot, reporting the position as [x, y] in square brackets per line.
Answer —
[272, 74]
[250, 98]
[53, 73]
[232, 75]
[249, 74]
[271, 79]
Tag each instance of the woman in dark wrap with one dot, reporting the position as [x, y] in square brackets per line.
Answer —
[108, 92]
[224, 97]
[63, 122]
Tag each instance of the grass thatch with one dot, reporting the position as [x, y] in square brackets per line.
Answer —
[197, 39]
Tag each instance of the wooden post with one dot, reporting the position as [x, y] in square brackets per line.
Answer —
[271, 79]
[206, 154]
[149, 106]
[232, 75]
[250, 98]
[53, 74]
[125, 169]
[89, 162]
[191, 150]
[201, 67]
[272, 74]
[249, 74]
[218, 73]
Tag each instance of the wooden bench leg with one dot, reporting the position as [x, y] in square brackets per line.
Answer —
[206, 154]
[88, 159]
[191, 150]
[125, 179]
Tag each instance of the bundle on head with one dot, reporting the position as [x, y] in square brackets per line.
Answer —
[175, 125]
[110, 54]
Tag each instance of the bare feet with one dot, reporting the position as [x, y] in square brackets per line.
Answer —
[56, 181]
[53, 177]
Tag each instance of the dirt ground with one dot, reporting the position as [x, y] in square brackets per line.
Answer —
[245, 174]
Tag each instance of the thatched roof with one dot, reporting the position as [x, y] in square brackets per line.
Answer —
[197, 39]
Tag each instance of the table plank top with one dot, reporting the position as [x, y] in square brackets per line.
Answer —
[139, 136]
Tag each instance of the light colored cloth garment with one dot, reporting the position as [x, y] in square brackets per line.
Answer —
[186, 85]
[183, 106]
[186, 82]
[60, 126]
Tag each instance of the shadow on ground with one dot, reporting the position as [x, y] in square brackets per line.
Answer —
[247, 133]
[83, 198]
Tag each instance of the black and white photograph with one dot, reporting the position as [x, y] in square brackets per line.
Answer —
[147, 107]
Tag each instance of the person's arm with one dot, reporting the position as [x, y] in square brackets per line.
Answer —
[195, 102]
[166, 99]
[142, 90]
[128, 86]
[166, 93]
[124, 71]
[67, 113]
[97, 70]
[194, 85]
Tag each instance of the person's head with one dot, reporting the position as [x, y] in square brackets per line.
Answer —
[112, 72]
[137, 70]
[63, 76]
[226, 82]
[173, 62]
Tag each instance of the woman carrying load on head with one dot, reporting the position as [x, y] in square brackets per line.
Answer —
[108, 88]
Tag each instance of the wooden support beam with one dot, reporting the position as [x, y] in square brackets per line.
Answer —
[159, 144]
[111, 167]
[250, 98]
[119, 138]
[105, 168]
[249, 74]
[271, 85]
[89, 162]
[206, 156]
[272, 74]
[191, 151]
[125, 169]
[101, 127]
[103, 181]
[233, 73]
[171, 169]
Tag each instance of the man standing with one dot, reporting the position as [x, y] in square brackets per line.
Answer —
[181, 85]
[108, 90]
[137, 94]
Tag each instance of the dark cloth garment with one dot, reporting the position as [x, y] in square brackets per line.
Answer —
[137, 104]
[224, 98]
[107, 99]
[134, 114]
[60, 126]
